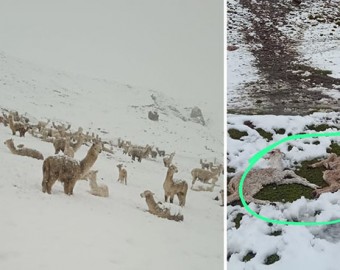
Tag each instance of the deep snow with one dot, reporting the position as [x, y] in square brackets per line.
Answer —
[40, 231]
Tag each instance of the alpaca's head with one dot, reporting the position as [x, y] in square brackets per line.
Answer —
[97, 146]
[9, 142]
[173, 168]
[147, 193]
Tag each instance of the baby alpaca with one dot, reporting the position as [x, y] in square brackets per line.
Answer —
[97, 190]
[122, 174]
[159, 209]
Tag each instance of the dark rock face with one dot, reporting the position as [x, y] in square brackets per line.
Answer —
[197, 116]
[153, 116]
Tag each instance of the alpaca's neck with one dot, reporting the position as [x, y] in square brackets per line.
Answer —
[88, 161]
[11, 121]
[78, 143]
[93, 183]
[150, 201]
[169, 176]
[276, 162]
[11, 147]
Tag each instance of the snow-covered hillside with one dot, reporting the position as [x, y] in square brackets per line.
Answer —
[40, 231]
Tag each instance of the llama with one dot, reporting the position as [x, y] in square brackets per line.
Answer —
[172, 188]
[61, 129]
[17, 126]
[97, 190]
[257, 178]
[23, 151]
[159, 209]
[68, 170]
[168, 160]
[122, 174]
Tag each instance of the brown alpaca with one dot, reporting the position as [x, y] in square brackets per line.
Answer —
[161, 153]
[168, 160]
[122, 174]
[203, 175]
[140, 152]
[172, 188]
[68, 150]
[59, 145]
[17, 126]
[68, 170]
[23, 151]
[158, 209]
[79, 143]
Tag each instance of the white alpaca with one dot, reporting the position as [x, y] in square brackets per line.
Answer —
[101, 190]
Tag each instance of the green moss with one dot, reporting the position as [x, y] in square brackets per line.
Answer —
[238, 219]
[249, 256]
[266, 135]
[280, 131]
[236, 134]
[292, 192]
[334, 148]
[272, 259]
[321, 127]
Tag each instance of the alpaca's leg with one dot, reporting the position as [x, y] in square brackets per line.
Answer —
[49, 184]
[295, 180]
[333, 188]
[71, 186]
[166, 197]
[233, 197]
[125, 180]
[172, 198]
[321, 163]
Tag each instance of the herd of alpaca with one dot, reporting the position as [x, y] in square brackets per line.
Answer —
[67, 170]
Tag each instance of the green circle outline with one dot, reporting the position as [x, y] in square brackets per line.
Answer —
[259, 155]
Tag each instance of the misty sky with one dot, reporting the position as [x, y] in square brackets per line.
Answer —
[167, 45]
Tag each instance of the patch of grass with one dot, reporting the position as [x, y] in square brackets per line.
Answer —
[334, 148]
[280, 131]
[316, 142]
[292, 192]
[290, 147]
[272, 259]
[321, 127]
[248, 256]
[238, 219]
[236, 134]
[266, 135]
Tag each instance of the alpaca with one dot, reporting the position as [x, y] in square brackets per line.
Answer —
[161, 153]
[204, 165]
[23, 151]
[159, 209]
[68, 150]
[153, 153]
[172, 188]
[331, 176]
[68, 170]
[79, 143]
[168, 160]
[59, 145]
[17, 126]
[122, 174]
[97, 190]
[330, 163]
[139, 152]
[61, 129]
[257, 178]
[203, 175]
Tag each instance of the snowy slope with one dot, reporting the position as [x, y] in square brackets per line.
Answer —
[41, 231]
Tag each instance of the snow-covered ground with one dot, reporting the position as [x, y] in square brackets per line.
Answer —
[296, 243]
[40, 231]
